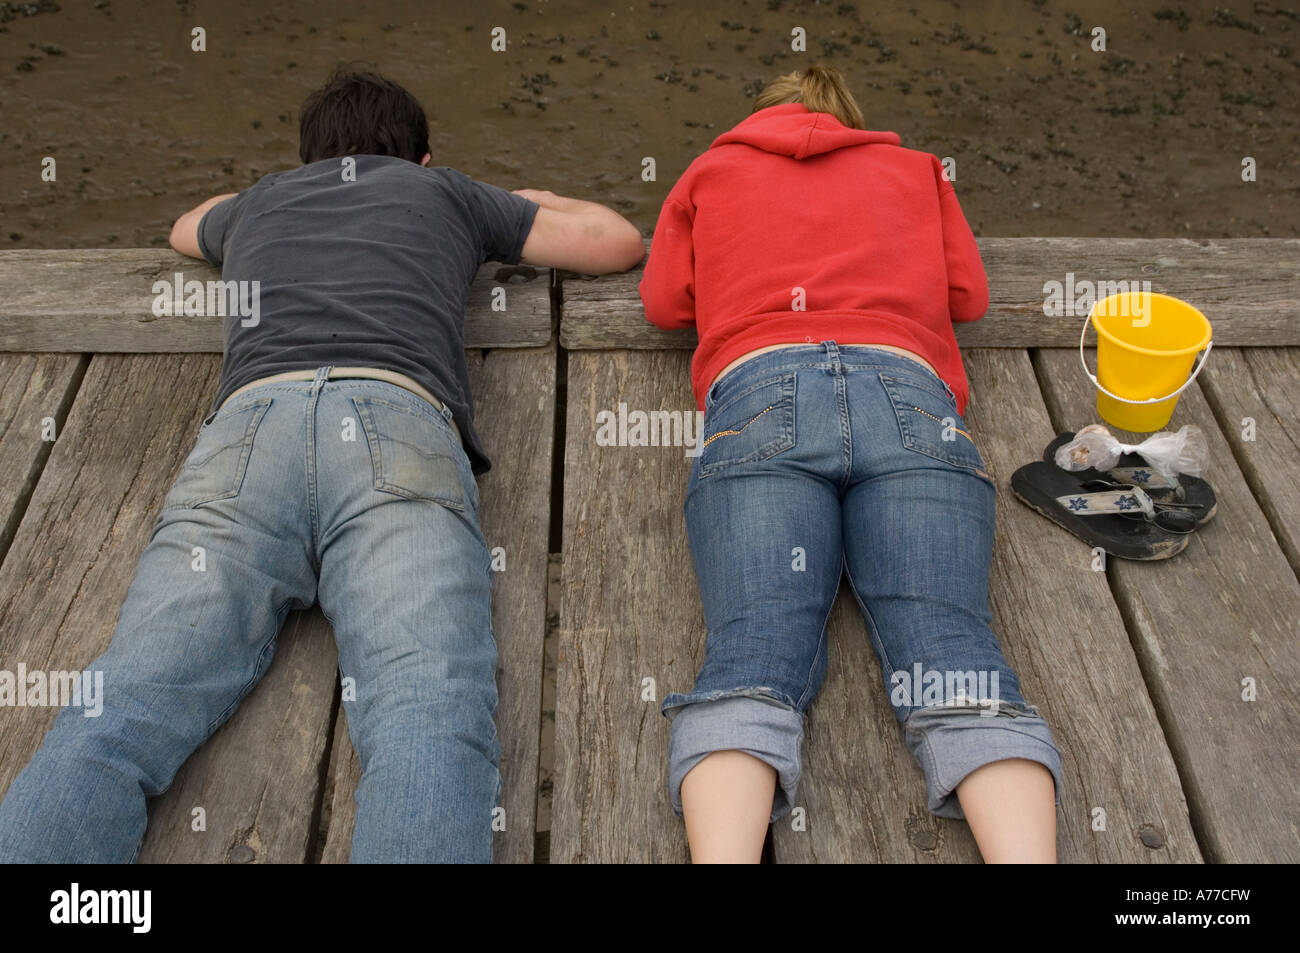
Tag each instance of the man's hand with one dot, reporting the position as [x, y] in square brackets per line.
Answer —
[185, 233]
[580, 236]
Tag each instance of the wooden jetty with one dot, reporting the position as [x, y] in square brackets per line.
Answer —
[1173, 688]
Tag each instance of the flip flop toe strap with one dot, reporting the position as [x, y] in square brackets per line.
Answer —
[1149, 478]
[1129, 500]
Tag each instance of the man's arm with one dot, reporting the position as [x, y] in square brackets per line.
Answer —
[580, 236]
[185, 233]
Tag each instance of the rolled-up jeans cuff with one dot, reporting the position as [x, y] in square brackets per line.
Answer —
[949, 742]
[758, 726]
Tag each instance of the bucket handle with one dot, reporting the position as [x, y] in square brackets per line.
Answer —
[1150, 400]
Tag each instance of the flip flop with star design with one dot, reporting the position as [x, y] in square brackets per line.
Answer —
[1192, 493]
[1120, 518]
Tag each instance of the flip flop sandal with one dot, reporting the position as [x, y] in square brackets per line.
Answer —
[1121, 518]
[1189, 492]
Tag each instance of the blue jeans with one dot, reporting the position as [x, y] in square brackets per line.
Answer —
[353, 493]
[819, 459]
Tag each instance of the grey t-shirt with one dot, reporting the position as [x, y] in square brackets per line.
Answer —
[373, 272]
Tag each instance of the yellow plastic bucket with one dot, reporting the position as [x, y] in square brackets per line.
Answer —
[1146, 344]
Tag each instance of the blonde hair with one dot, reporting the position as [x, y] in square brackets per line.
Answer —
[820, 88]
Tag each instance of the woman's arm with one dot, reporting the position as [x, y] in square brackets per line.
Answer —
[668, 286]
[968, 287]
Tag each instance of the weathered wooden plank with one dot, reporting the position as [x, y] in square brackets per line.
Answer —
[100, 299]
[34, 388]
[514, 400]
[102, 487]
[630, 611]
[1224, 610]
[1248, 287]
[515, 394]
[339, 810]
[864, 793]
[1254, 396]
[72, 559]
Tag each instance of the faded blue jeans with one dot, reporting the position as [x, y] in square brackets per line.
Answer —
[822, 459]
[354, 493]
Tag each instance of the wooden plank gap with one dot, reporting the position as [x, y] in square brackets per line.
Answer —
[1226, 389]
[323, 809]
[27, 487]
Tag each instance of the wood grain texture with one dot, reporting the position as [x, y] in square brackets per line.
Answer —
[1249, 288]
[100, 299]
[33, 388]
[514, 412]
[89, 518]
[1260, 385]
[630, 611]
[864, 793]
[1225, 609]
[133, 422]
[339, 810]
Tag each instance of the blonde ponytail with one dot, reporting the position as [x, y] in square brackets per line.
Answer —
[821, 89]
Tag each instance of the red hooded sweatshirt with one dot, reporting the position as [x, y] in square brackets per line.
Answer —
[791, 199]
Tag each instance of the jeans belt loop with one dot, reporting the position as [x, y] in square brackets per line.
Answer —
[322, 375]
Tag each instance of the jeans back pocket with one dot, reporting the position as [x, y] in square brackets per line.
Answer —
[215, 468]
[412, 454]
[929, 423]
[751, 425]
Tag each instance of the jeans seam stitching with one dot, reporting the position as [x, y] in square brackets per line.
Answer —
[805, 699]
[870, 620]
[258, 672]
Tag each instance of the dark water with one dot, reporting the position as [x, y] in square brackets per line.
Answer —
[1049, 137]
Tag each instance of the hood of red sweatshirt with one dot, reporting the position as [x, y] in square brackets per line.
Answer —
[791, 130]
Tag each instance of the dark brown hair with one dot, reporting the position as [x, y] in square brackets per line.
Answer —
[358, 112]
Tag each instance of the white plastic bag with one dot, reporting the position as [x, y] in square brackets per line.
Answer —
[1167, 452]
